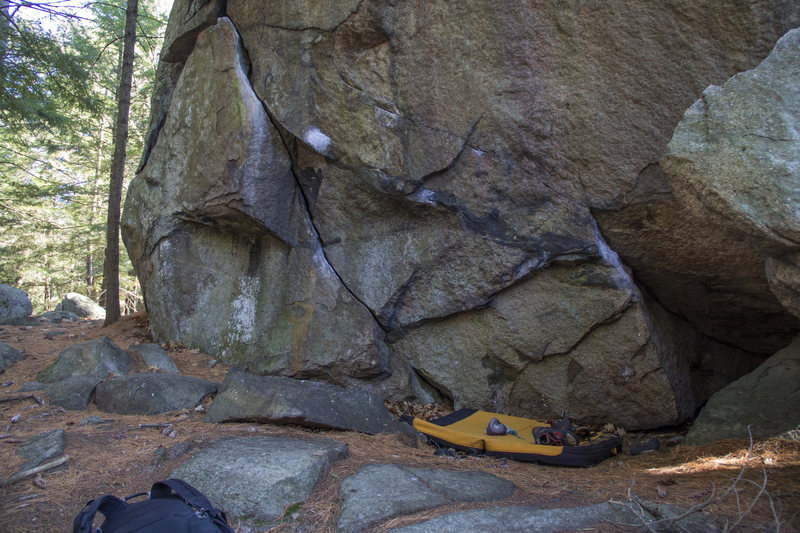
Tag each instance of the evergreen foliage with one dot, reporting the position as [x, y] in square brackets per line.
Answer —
[57, 105]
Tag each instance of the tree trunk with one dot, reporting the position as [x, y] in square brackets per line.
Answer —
[95, 208]
[111, 266]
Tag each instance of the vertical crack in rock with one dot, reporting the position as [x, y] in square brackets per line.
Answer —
[304, 199]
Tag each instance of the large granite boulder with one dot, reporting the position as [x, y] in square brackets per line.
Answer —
[734, 165]
[233, 195]
[14, 304]
[765, 400]
[82, 306]
[340, 191]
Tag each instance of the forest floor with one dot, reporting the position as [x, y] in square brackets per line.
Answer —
[124, 458]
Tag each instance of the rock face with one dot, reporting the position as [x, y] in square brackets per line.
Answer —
[734, 166]
[426, 199]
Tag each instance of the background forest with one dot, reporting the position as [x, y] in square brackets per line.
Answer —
[60, 64]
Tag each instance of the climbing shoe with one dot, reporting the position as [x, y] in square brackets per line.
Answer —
[560, 434]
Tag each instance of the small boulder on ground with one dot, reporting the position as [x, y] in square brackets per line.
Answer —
[42, 447]
[14, 305]
[379, 492]
[58, 316]
[81, 305]
[9, 355]
[154, 356]
[149, 393]
[766, 399]
[74, 392]
[256, 478]
[96, 358]
[280, 400]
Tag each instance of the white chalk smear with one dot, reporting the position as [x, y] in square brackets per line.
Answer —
[318, 140]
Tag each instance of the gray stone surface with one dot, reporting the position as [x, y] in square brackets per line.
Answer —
[14, 304]
[529, 519]
[734, 165]
[42, 447]
[187, 19]
[379, 492]
[9, 355]
[96, 358]
[155, 356]
[284, 310]
[280, 400]
[766, 399]
[94, 420]
[255, 478]
[73, 392]
[148, 393]
[58, 316]
[81, 305]
[379, 180]
[22, 321]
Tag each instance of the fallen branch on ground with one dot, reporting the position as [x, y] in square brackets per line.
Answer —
[652, 519]
[22, 397]
[167, 424]
[35, 470]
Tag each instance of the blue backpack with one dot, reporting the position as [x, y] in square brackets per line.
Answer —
[173, 506]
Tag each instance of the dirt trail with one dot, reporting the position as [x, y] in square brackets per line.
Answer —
[124, 458]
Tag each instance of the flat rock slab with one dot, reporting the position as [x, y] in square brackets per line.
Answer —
[9, 355]
[379, 492]
[766, 399]
[148, 393]
[96, 358]
[280, 400]
[155, 356]
[531, 519]
[42, 447]
[256, 478]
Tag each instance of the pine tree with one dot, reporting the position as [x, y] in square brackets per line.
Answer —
[111, 266]
[54, 173]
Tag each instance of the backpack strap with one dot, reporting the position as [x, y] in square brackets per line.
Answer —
[108, 505]
[196, 499]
